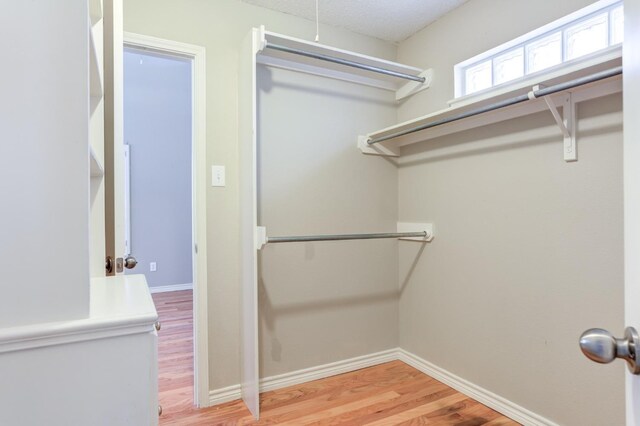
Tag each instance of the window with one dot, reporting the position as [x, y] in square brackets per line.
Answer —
[508, 66]
[585, 32]
[544, 53]
[478, 76]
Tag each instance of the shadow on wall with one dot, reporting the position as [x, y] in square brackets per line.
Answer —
[412, 268]
[512, 134]
[316, 299]
[269, 312]
[266, 83]
[313, 158]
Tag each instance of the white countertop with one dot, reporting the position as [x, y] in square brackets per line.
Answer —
[119, 305]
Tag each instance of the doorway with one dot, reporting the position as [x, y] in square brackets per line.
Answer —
[165, 209]
[158, 146]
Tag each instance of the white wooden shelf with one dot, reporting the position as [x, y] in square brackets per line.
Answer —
[119, 305]
[95, 166]
[392, 147]
[95, 61]
[95, 11]
[275, 58]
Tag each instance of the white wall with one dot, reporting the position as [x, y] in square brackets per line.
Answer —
[157, 128]
[529, 249]
[44, 162]
[220, 26]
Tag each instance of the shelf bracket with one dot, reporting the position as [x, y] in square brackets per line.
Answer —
[260, 237]
[377, 149]
[416, 227]
[566, 123]
[414, 87]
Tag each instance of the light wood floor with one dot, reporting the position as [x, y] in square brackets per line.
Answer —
[175, 352]
[388, 394]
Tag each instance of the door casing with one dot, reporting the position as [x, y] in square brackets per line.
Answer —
[199, 191]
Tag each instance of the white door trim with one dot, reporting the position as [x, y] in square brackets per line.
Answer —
[631, 149]
[199, 173]
[127, 199]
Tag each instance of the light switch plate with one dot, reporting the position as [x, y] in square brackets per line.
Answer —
[152, 266]
[218, 176]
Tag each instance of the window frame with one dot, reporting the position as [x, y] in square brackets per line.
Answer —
[559, 25]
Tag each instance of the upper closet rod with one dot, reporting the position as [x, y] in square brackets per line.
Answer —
[307, 238]
[345, 62]
[507, 102]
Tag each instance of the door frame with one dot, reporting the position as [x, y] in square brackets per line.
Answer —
[199, 200]
[631, 148]
[127, 198]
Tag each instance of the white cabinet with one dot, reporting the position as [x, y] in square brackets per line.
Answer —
[101, 370]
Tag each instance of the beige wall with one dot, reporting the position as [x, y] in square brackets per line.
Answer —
[326, 301]
[528, 251]
[220, 26]
[529, 248]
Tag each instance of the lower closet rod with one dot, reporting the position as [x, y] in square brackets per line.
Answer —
[306, 238]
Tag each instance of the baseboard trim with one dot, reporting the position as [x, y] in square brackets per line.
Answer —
[231, 393]
[174, 287]
[484, 396]
[488, 398]
[222, 395]
[326, 370]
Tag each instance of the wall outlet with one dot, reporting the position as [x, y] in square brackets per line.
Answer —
[218, 176]
[153, 267]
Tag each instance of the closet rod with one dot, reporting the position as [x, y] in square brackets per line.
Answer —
[507, 102]
[345, 62]
[307, 238]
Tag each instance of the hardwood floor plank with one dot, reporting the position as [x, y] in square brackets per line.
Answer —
[501, 421]
[388, 394]
[419, 411]
[342, 408]
[322, 401]
[399, 405]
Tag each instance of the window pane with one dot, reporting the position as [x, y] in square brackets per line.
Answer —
[544, 53]
[617, 25]
[508, 66]
[477, 77]
[587, 36]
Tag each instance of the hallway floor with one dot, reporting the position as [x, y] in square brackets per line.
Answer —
[175, 351]
[387, 394]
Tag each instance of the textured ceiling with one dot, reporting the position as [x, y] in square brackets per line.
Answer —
[391, 20]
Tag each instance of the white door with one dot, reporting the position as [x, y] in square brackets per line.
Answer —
[601, 345]
[115, 205]
[631, 94]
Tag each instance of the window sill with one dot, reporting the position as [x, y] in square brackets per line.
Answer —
[589, 64]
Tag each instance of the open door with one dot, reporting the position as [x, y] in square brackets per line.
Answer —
[117, 257]
[598, 344]
[631, 107]
[249, 221]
